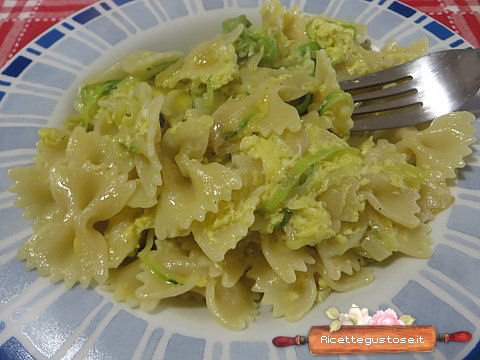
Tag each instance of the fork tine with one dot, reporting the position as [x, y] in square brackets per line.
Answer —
[381, 77]
[444, 81]
[411, 99]
[378, 94]
[400, 119]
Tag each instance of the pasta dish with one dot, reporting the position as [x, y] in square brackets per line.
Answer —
[229, 174]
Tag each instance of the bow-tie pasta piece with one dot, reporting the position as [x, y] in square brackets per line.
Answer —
[399, 205]
[271, 43]
[339, 114]
[177, 102]
[69, 247]
[393, 184]
[349, 236]
[221, 231]
[385, 237]
[291, 22]
[383, 157]
[145, 151]
[188, 139]
[346, 263]
[191, 189]
[434, 193]
[302, 229]
[206, 268]
[233, 266]
[123, 282]
[414, 242]
[286, 25]
[279, 116]
[148, 169]
[325, 74]
[233, 307]
[292, 300]
[58, 259]
[105, 106]
[168, 271]
[98, 150]
[283, 260]
[342, 201]
[293, 83]
[142, 64]
[441, 147]
[349, 52]
[382, 154]
[262, 112]
[434, 197]
[379, 241]
[332, 103]
[357, 280]
[213, 63]
[400, 55]
[124, 231]
[130, 115]
[189, 198]
[34, 195]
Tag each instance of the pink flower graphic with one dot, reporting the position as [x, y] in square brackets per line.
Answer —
[387, 317]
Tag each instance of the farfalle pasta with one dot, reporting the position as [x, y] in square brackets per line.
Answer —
[229, 175]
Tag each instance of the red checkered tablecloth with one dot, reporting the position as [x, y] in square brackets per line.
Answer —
[23, 20]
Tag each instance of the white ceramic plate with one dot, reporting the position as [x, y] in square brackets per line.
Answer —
[43, 320]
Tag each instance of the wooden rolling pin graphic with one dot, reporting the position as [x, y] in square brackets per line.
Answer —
[369, 339]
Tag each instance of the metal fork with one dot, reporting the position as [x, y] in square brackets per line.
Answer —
[415, 92]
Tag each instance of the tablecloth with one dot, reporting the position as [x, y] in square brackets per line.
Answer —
[23, 20]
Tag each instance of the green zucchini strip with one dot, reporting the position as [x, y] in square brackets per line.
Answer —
[302, 165]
